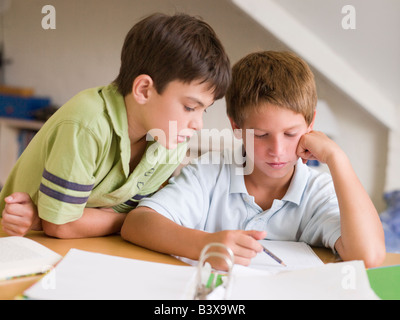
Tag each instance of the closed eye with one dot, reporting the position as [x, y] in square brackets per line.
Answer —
[290, 134]
[261, 135]
[188, 109]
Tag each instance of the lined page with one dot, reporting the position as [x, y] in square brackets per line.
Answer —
[296, 255]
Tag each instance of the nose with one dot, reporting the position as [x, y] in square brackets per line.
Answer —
[275, 146]
[196, 123]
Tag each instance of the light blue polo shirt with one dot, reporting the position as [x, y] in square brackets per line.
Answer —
[212, 197]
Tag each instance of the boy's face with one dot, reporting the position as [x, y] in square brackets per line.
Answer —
[177, 112]
[277, 132]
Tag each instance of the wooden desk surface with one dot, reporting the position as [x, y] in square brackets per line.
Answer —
[116, 246]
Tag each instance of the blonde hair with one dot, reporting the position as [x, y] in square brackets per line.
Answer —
[278, 78]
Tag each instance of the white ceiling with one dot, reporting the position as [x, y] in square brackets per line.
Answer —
[373, 48]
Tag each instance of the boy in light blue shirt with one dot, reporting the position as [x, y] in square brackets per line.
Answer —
[212, 197]
[272, 101]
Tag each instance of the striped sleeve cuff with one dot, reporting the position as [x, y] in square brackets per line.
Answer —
[131, 204]
[64, 190]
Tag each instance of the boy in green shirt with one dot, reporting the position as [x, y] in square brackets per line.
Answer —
[111, 146]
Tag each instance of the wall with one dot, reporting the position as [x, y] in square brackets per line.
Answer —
[84, 52]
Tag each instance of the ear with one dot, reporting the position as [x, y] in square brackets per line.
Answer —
[236, 129]
[142, 88]
[311, 126]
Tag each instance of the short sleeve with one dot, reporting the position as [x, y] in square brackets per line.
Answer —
[323, 218]
[68, 177]
[184, 200]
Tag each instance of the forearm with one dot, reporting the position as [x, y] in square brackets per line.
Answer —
[95, 222]
[147, 228]
[362, 234]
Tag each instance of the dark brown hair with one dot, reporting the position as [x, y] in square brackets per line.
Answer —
[278, 78]
[168, 48]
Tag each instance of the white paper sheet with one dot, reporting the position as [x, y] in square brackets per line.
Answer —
[87, 275]
[335, 281]
[296, 255]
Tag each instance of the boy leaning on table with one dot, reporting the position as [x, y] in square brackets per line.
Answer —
[272, 99]
[96, 151]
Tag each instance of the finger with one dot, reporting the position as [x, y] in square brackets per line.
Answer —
[305, 155]
[13, 219]
[251, 240]
[12, 230]
[10, 225]
[20, 209]
[18, 197]
[247, 246]
[242, 261]
[13, 209]
[258, 235]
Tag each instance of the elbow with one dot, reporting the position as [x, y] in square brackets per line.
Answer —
[127, 230]
[375, 258]
[56, 231]
[124, 233]
[372, 255]
[376, 254]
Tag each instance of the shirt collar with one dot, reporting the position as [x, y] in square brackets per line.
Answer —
[237, 184]
[294, 192]
[115, 106]
[155, 152]
[298, 183]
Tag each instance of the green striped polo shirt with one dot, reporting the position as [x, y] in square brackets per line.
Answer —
[80, 158]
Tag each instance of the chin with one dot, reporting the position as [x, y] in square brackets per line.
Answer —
[170, 145]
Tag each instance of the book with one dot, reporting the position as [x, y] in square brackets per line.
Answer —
[88, 275]
[16, 91]
[385, 281]
[22, 256]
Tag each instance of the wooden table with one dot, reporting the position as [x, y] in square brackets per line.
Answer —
[114, 245]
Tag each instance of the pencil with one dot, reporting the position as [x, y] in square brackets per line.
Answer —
[273, 256]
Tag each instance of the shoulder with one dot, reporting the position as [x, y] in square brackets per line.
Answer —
[319, 193]
[211, 163]
[88, 101]
[309, 186]
[313, 178]
[85, 111]
[206, 169]
[319, 181]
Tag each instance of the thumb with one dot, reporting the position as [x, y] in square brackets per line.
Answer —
[18, 197]
[257, 235]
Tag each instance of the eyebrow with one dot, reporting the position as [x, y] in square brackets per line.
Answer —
[294, 127]
[285, 129]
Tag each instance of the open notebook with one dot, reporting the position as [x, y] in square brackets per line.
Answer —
[87, 275]
[296, 255]
[22, 256]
